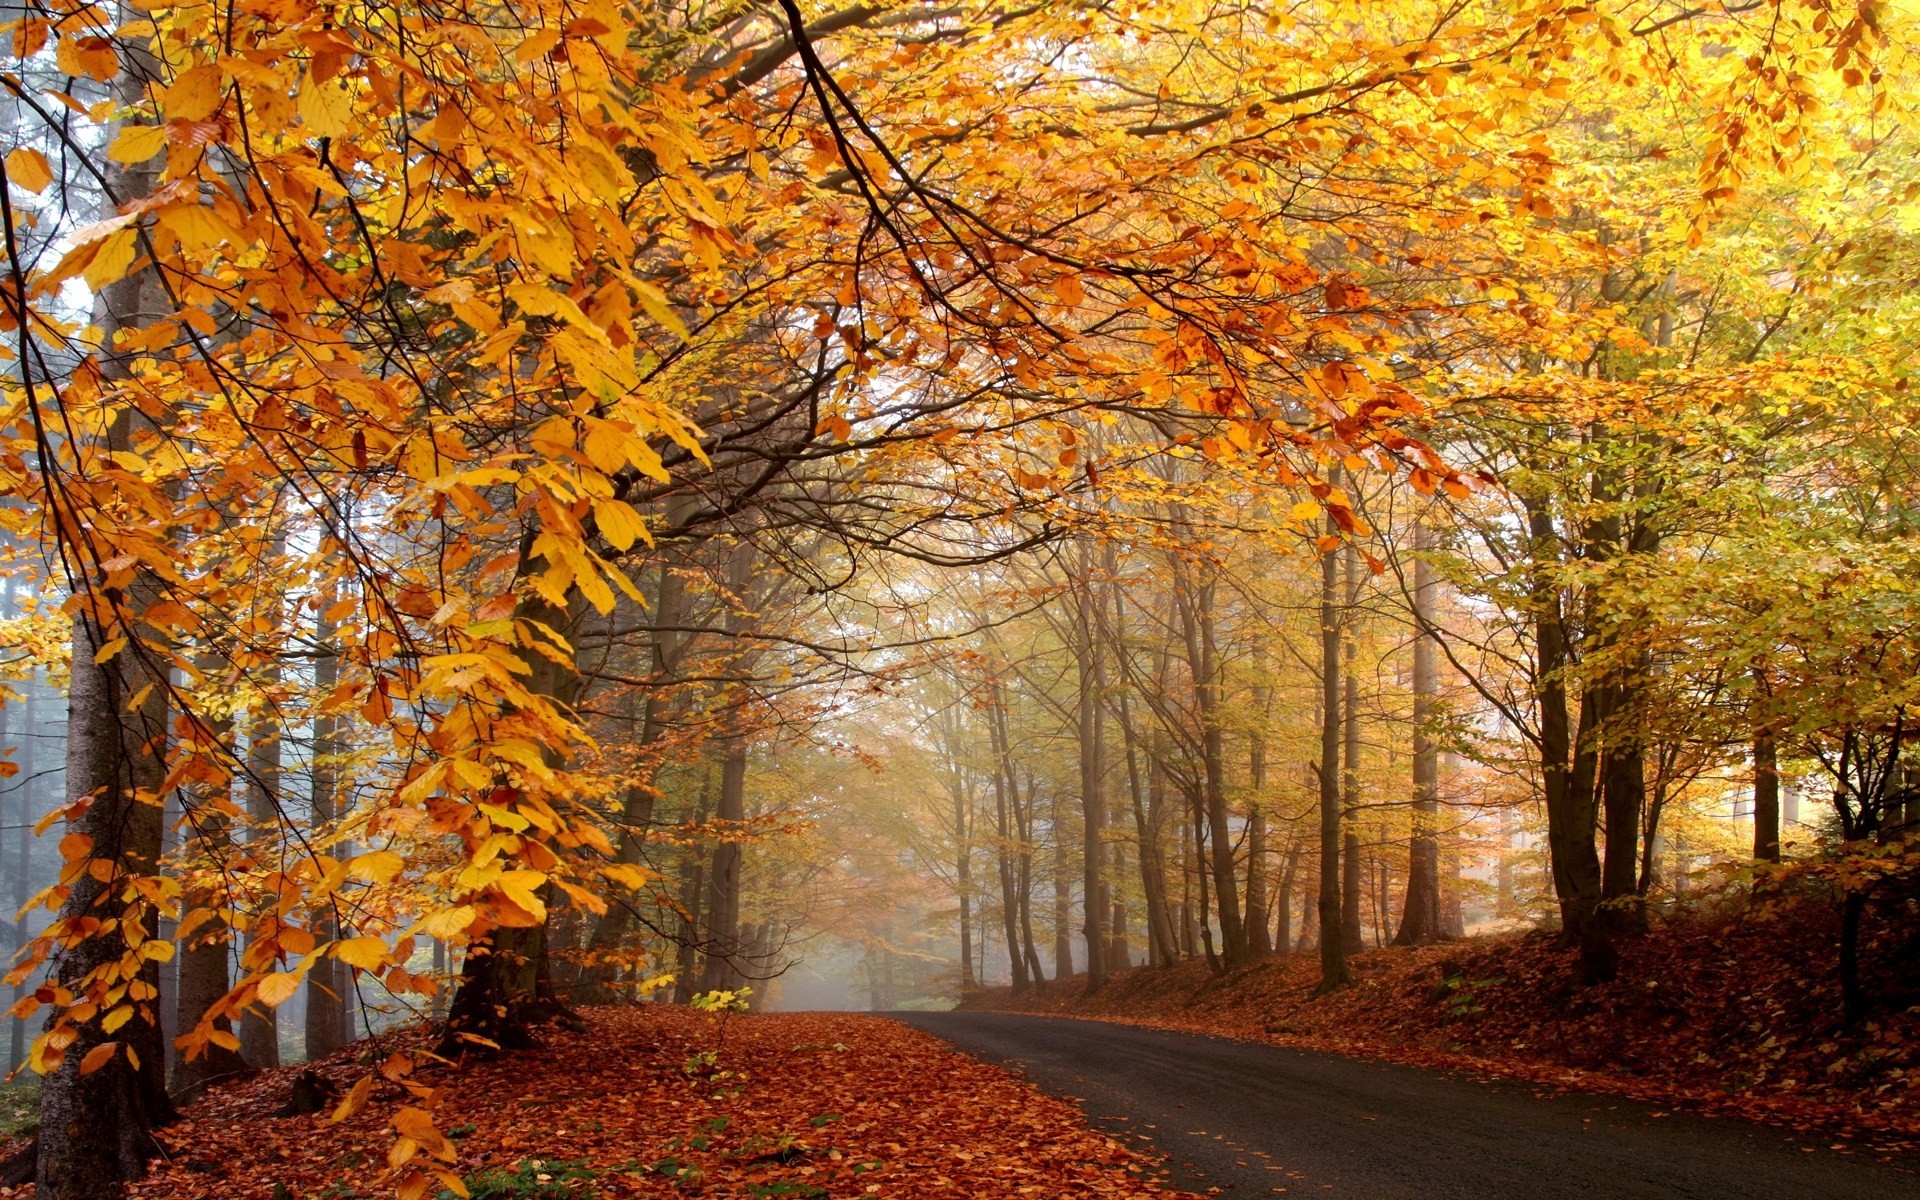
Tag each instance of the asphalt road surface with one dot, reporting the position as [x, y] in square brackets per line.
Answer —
[1253, 1120]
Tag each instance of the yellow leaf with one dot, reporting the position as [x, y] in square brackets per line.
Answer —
[355, 1100]
[447, 922]
[106, 652]
[195, 225]
[276, 989]
[655, 302]
[138, 143]
[115, 255]
[195, 95]
[417, 1123]
[325, 108]
[520, 887]
[118, 1017]
[619, 523]
[28, 168]
[377, 866]
[367, 953]
[98, 1057]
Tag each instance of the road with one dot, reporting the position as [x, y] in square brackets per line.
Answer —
[1254, 1120]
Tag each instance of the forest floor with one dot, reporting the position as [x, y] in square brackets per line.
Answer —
[797, 1106]
[1724, 1015]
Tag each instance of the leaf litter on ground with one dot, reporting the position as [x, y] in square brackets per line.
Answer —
[803, 1106]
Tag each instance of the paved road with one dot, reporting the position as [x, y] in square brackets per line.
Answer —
[1253, 1120]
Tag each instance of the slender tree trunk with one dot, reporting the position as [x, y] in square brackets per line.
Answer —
[1283, 922]
[1334, 972]
[1062, 908]
[1003, 818]
[327, 979]
[720, 969]
[204, 951]
[1766, 788]
[1420, 918]
[1197, 619]
[612, 929]
[22, 870]
[1259, 941]
[259, 1024]
[95, 1128]
[1351, 932]
[693, 890]
[1093, 802]
[1570, 802]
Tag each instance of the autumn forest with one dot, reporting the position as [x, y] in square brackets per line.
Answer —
[556, 552]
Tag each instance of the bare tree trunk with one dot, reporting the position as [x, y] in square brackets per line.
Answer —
[95, 1128]
[22, 871]
[204, 951]
[693, 890]
[1150, 821]
[1259, 933]
[612, 928]
[1334, 972]
[259, 1024]
[1766, 785]
[1094, 901]
[327, 978]
[1420, 918]
[720, 968]
[1283, 923]
[1062, 909]
[1570, 802]
[1351, 933]
[1003, 817]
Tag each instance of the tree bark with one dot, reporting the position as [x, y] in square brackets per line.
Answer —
[259, 1024]
[203, 954]
[1420, 917]
[327, 979]
[95, 1129]
[1766, 786]
[1334, 972]
[1570, 802]
[1259, 933]
[1351, 933]
[1094, 901]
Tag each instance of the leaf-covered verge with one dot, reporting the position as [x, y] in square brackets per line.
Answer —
[663, 1102]
[1727, 1013]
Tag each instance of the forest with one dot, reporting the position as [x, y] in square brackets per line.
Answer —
[541, 539]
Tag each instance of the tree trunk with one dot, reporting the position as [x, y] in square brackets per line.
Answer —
[1571, 808]
[1003, 824]
[612, 928]
[720, 969]
[1334, 972]
[1351, 933]
[1766, 788]
[327, 979]
[259, 1024]
[1259, 933]
[1420, 917]
[203, 978]
[1062, 907]
[95, 1129]
[1093, 804]
[1196, 612]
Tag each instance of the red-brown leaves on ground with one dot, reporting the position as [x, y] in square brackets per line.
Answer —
[795, 1106]
[1729, 1015]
